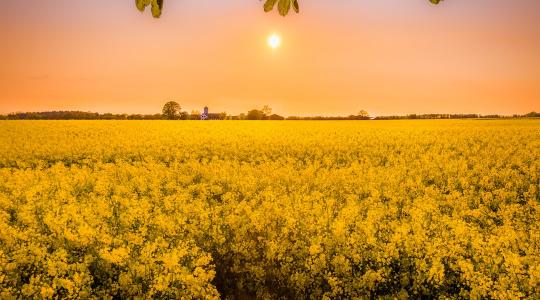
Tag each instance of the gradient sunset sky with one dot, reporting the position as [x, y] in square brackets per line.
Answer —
[337, 57]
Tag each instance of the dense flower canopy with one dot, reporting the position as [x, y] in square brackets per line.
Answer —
[270, 210]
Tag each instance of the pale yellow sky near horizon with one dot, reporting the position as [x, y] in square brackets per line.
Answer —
[384, 56]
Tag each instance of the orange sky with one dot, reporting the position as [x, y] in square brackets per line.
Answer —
[385, 56]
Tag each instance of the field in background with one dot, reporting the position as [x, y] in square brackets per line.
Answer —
[270, 209]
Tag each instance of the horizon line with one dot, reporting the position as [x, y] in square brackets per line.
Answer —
[273, 113]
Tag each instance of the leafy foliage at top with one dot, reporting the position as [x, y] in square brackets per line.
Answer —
[283, 6]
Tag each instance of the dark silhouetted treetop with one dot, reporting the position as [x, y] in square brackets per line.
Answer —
[283, 6]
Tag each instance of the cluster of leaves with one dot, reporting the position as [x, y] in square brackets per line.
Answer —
[283, 6]
[156, 6]
[408, 209]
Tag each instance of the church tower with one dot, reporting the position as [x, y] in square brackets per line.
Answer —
[204, 115]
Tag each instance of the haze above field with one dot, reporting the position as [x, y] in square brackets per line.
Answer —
[384, 56]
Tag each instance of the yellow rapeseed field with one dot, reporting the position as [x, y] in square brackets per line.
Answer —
[247, 209]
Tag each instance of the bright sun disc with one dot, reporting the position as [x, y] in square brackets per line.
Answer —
[274, 41]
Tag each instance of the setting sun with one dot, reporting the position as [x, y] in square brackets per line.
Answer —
[274, 41]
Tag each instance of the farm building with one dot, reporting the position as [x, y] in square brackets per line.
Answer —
[208, 116]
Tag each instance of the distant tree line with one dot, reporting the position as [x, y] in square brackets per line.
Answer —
[455, 116]
[172, 111]
[77, 115]
[532, 115]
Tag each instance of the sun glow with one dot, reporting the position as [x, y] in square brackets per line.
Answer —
[274, 41]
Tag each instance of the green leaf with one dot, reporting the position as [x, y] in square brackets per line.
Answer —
[296, 6]
[140, 5]
[157, 6]
[284, 6]
[269, 5]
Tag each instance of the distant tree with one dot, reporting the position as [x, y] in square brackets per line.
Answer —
[363, 114]
[532, 115]
[171, 110]
[255, 114]
[242, 116]
[108, 116]
[153, 117]
[294, 118]
[195, 115]
[283, 6]
[183, 115]
[267, 111]
[275, 117]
